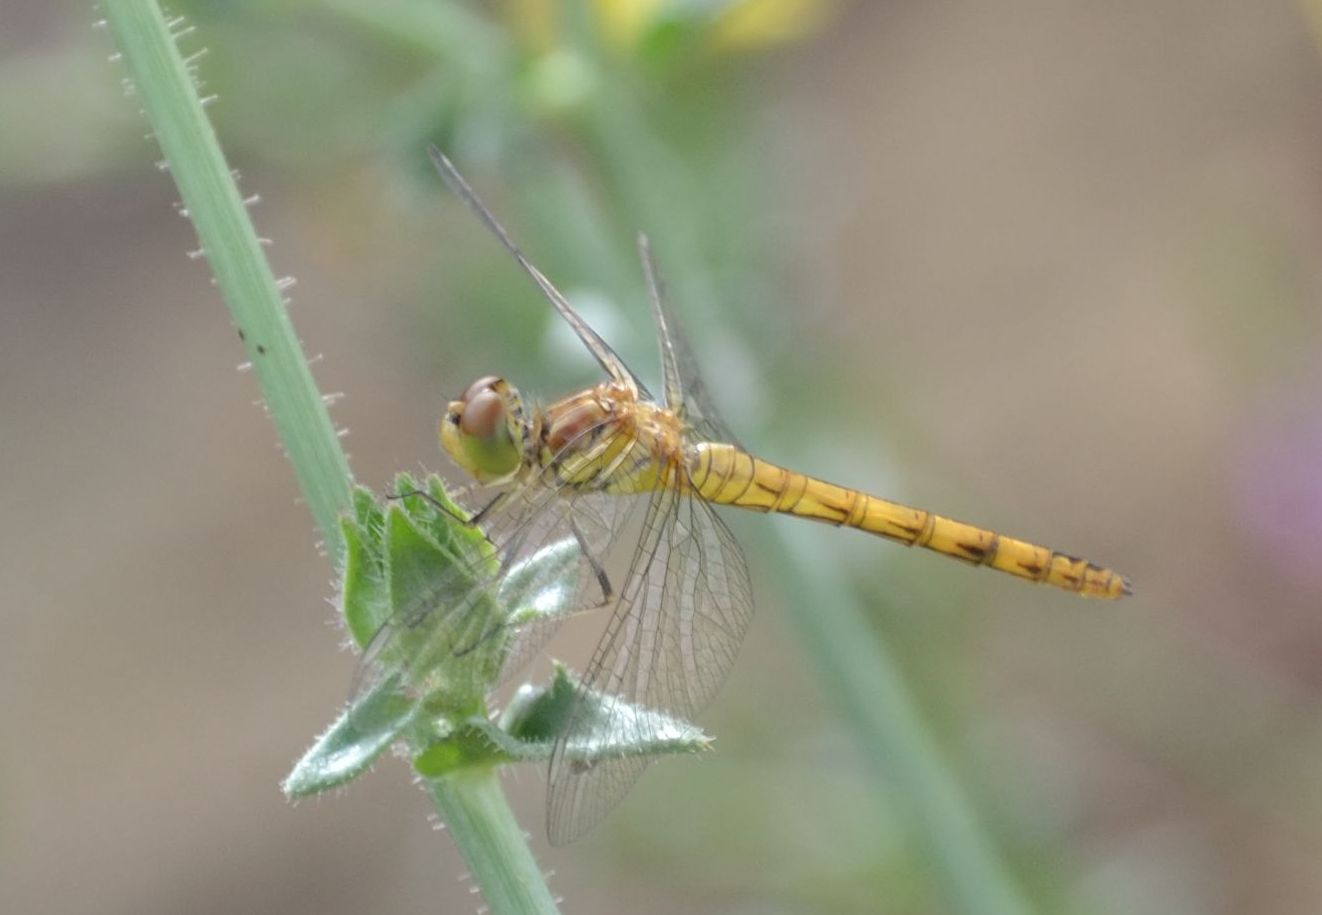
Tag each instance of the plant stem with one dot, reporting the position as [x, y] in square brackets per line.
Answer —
[213, 203]
[449, 32]
[473, 804]
[867, 685]
[479, 818]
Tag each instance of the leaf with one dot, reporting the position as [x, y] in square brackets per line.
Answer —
[446, 641]
[368, 514]
[604, 727]
[401, 559]
[402, 562]
[467, 536]
[478, 742]
[364, 597]
[353, 742]
[542, 586]
[440, 517]
[415, 561]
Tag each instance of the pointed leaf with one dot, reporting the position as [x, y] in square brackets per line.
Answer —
[542, 586]
[440, 517]
[447, 640]
[367, 514]
[604, 727]
[353, 742]
[467, 536]
[414, 560]
[364, 598]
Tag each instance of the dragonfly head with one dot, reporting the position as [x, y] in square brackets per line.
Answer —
[484, 431]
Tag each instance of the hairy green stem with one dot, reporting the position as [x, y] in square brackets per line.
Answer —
[472, 804]
[477, 815]
[213, 203]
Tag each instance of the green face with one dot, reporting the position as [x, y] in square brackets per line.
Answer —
[483, 430]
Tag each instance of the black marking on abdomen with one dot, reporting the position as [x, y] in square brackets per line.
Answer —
[973, 551]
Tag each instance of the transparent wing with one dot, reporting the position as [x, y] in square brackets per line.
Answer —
[606, 356]
[670, 644]
[672, 381]
[686, 392]
[594, 523]
[548, 540]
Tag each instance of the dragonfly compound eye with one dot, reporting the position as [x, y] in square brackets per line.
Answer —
[483, 416]
[482, 432]
[488, 383]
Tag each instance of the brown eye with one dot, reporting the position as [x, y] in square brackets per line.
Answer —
[477, 387]
[484, 414]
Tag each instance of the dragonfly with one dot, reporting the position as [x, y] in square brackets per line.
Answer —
[614, 470]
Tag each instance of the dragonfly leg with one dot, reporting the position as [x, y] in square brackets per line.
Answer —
[512, 550]
[472, 646]
[442, 507]
[435, 503]
[603, 581]
[482, 512]
[514, 547]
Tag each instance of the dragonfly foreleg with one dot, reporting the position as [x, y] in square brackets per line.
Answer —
[485, 509]
[435, 503]
[472, 521]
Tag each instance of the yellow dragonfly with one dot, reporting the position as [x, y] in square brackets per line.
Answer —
[613, 469]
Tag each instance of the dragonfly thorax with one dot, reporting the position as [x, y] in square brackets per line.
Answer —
[486, 431]
[607, 438]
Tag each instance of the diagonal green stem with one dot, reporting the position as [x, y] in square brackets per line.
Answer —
[170, 101]
[471, 803]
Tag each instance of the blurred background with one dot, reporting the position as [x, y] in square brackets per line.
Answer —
[1048, 267]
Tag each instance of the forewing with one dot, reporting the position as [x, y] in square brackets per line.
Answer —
[670, 644]
[601, 350]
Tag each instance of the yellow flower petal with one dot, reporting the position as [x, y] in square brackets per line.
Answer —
[624, 21]
[756, 24]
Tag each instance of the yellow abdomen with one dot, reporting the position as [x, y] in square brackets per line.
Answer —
[727, 475]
